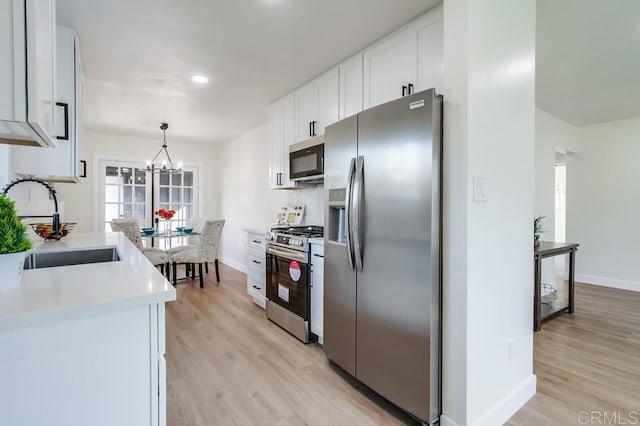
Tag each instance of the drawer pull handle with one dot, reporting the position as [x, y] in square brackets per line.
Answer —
[257, 242]
[255, 261]
[257, 288]
[318, 255]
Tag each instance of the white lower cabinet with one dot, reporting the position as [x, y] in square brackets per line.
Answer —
[317, 290]
[92, 369]
[256, 269]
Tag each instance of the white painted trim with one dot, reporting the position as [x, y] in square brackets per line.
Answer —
[235, 265]
[608, 282]
[509, 405]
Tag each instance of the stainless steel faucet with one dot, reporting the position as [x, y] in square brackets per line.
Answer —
[56, 216]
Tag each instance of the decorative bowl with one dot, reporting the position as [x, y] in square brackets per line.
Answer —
[45, 230]
[148, 231]
[187, 230]
[180, 228]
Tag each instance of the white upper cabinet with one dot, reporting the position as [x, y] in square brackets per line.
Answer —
[305, 111]
[389, 67]
[316, 105]
[27, 72]
[281, 129]
[405, 62]
[430, 30]
[350, 87]
[62, 163]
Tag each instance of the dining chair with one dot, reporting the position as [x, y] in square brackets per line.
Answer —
[206, 250]
[131, 229]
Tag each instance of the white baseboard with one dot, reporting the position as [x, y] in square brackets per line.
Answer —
[608, 282]
[509, 405]
[235, 265]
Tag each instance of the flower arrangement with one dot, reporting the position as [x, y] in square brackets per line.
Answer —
[166, 214]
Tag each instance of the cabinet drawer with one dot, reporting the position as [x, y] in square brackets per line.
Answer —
[255, 287]
[256, 275]
[317, 256]
[256, 242]
[256, 261]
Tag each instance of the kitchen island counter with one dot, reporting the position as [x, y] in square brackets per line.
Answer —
[68, 291]
[85, 344]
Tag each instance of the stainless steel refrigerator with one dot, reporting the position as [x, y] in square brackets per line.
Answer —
[382, 294]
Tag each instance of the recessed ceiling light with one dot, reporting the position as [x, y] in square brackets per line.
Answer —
[199, 79]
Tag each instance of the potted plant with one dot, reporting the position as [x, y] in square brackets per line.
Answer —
[13, 242]
[538, 224]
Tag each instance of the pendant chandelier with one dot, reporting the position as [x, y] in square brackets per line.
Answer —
[162, 163]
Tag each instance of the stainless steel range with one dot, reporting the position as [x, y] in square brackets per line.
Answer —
[288, 279]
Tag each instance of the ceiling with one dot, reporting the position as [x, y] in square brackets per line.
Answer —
[588, 59]
[139, 55]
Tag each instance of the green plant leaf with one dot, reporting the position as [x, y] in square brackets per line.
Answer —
[13, 233]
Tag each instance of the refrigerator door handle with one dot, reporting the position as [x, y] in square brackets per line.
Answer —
[348, 203]
[356, 233]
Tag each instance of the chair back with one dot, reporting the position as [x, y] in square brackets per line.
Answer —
[209, 244]
[130, 228]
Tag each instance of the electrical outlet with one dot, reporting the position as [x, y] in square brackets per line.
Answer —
[479, 188]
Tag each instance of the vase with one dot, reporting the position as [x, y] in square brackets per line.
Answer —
[536, 241]
[11, 266]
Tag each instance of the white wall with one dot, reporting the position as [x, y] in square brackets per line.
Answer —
[552, 135]
[4, 166]
[77, 202]
[603, 204]
[488, 280]
[247, 201]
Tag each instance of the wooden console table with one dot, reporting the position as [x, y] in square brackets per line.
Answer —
[550, 249]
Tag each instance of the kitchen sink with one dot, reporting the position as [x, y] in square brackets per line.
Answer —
[51, 259]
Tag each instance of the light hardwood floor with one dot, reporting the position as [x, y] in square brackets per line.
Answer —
[588, 362]
[227, 364]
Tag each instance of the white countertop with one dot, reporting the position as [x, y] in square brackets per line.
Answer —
[67, 291]
[318, 241]
[254, 231]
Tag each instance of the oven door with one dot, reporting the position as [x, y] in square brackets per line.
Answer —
[307, 163]
[288, 280]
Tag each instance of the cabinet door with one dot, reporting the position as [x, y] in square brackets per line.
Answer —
[304, 111]
[327, 100]
[276, 141]
[59, 163]
[317, 291]
[350, 98]
[388, 66]
[41, 66]
[289, 139]
[429, 32]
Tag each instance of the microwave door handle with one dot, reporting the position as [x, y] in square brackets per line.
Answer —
[347, 203]
[357, 210]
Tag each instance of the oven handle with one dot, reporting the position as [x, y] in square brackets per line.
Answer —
[291, 255]
[347, 202]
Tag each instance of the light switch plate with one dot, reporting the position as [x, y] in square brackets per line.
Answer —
[479, 188]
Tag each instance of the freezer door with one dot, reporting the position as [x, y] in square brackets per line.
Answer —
[339, 278]
[398, 289]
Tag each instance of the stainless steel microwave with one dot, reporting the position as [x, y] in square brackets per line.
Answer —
[306, 160]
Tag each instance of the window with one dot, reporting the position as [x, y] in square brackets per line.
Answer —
[126, 193]
[176, 192]
[128, 190]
